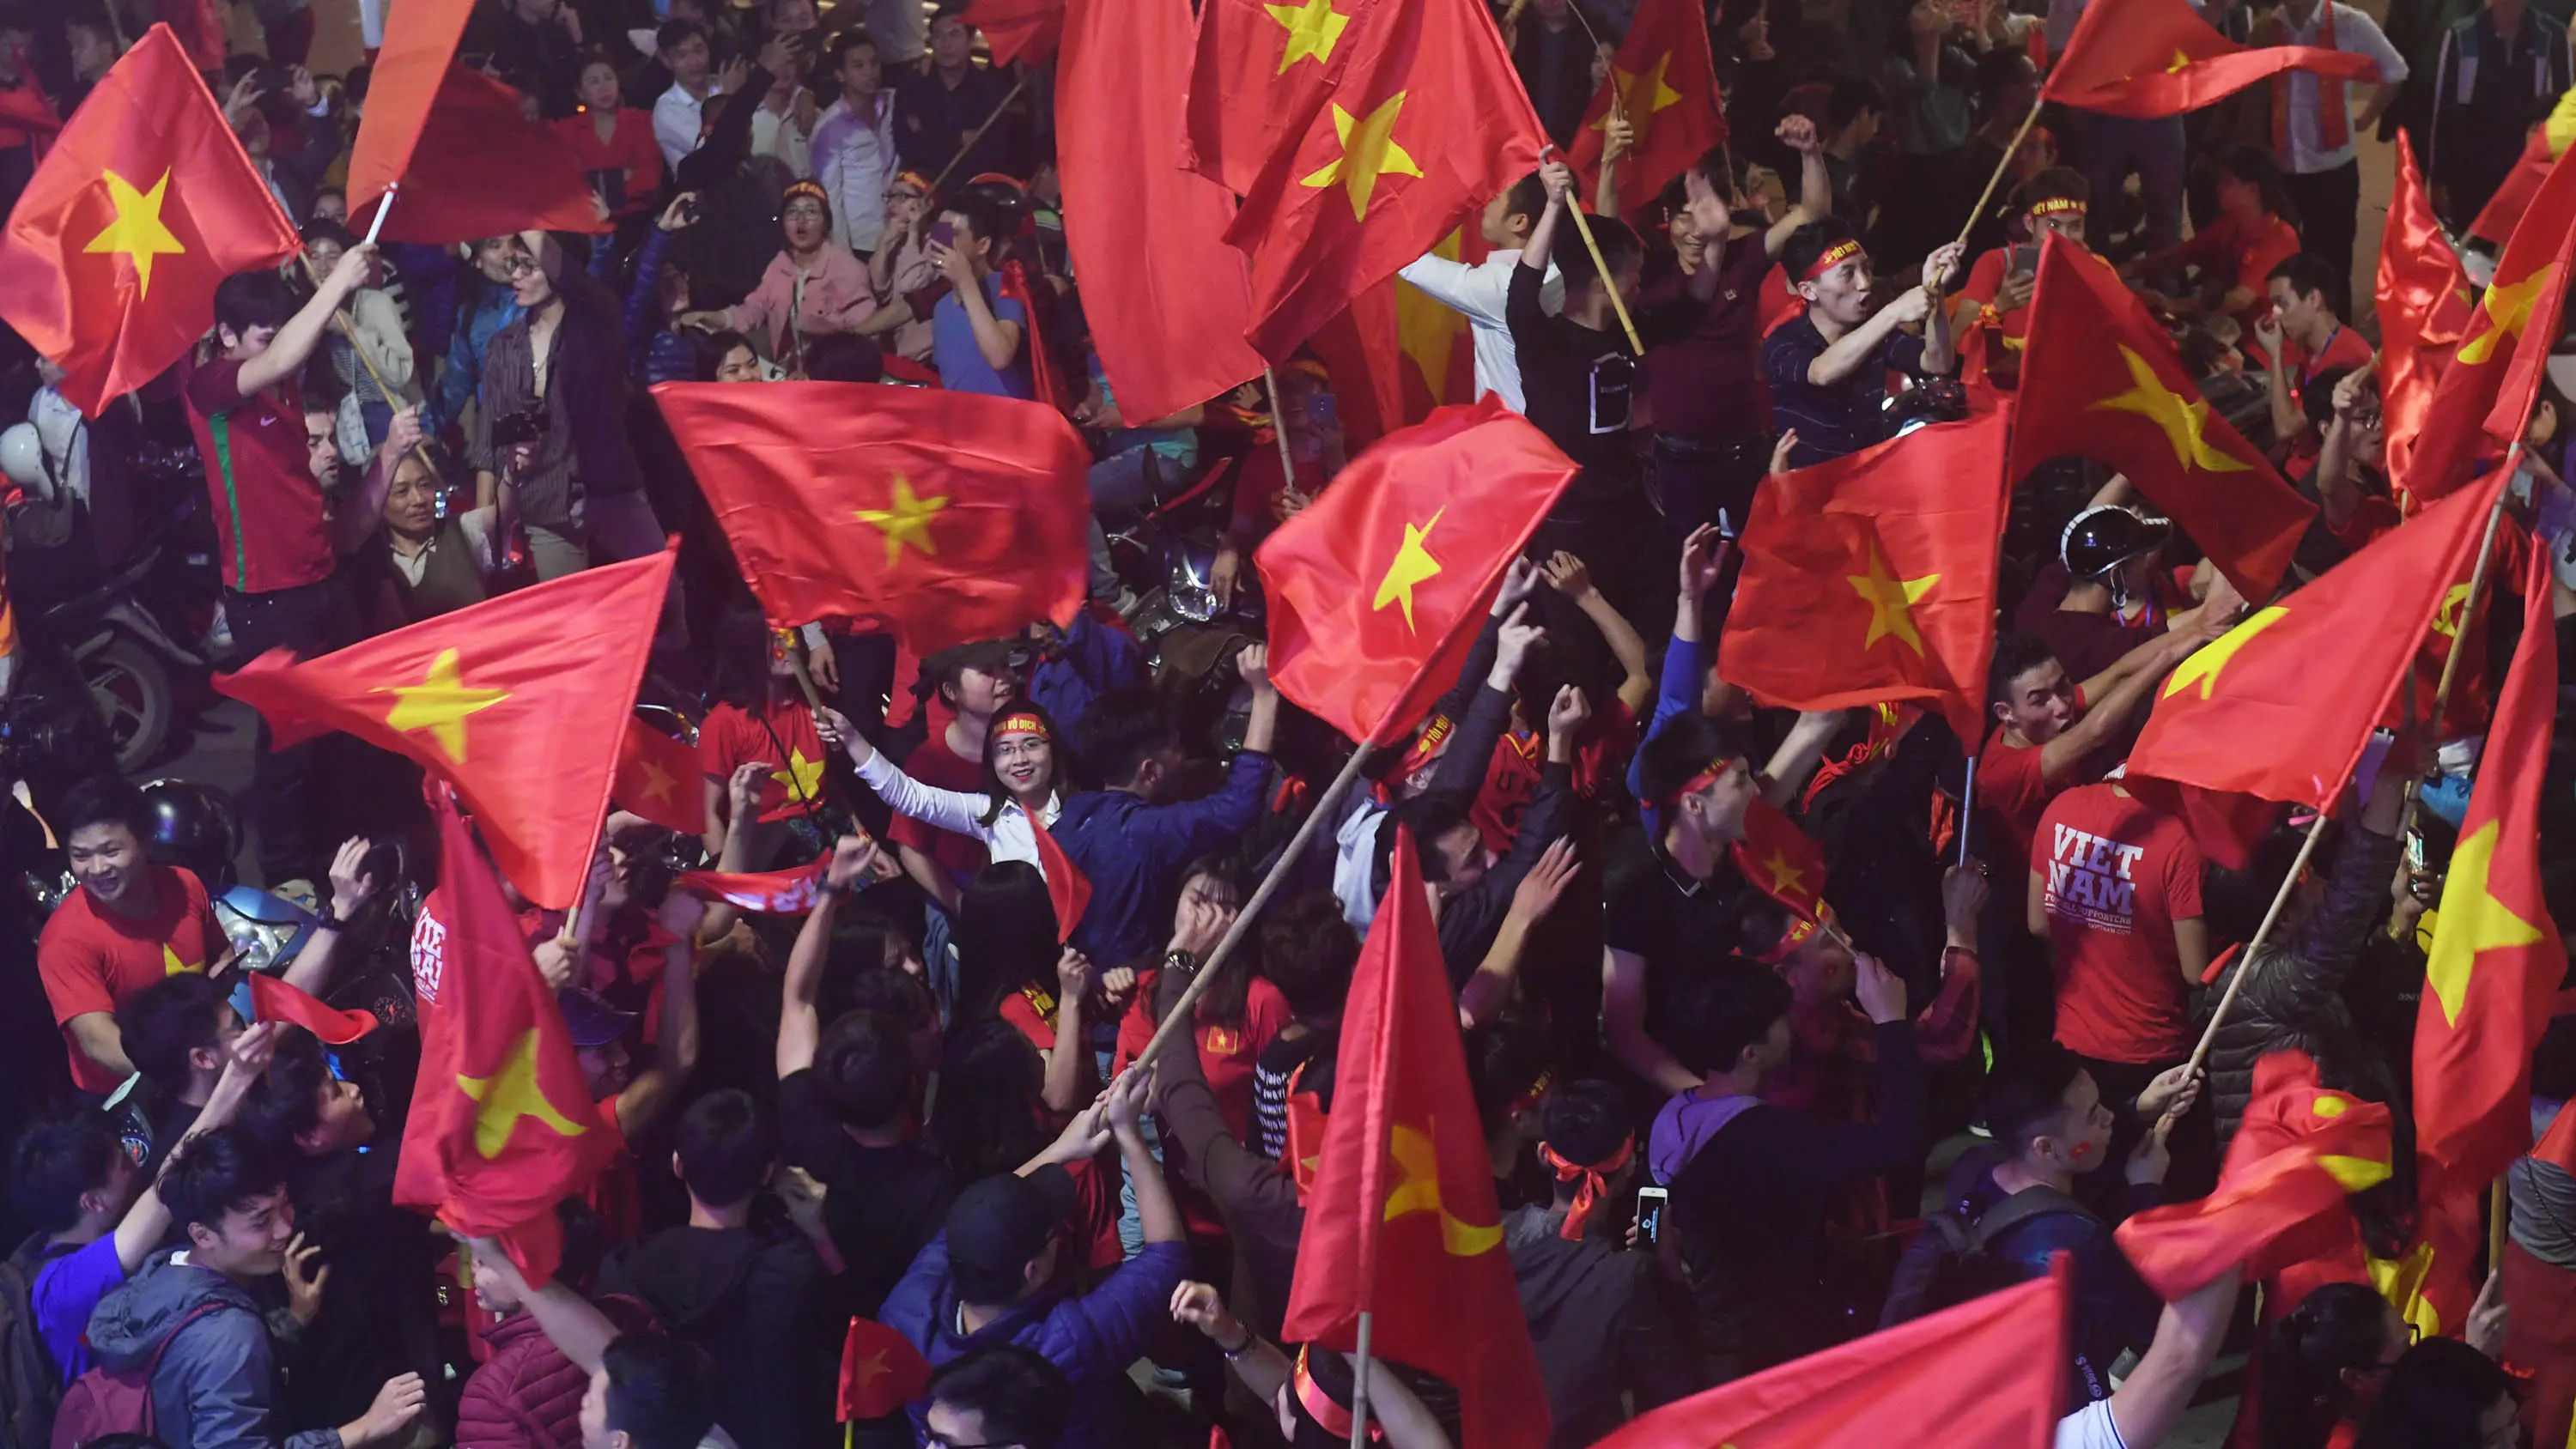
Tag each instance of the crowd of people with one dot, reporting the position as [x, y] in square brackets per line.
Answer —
[1725, 1133]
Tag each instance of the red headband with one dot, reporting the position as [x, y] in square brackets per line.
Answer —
[1020, 724]
[813, 189]
[1714, 772]
[1426, 747]
[1333, 1418]
[1536, 1093]
[1835, 256]
[1596, 1179]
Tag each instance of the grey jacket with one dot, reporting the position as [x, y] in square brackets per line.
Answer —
[216, 1386]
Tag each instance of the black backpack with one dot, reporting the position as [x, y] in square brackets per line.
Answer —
[1949, 1261]
[31, 1384]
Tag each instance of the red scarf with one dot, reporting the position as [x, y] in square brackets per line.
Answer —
[2334, 113]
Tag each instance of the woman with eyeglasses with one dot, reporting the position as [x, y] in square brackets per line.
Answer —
[813, 285]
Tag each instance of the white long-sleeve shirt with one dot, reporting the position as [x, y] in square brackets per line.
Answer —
[1478, 293]
[1008, 837]
[679, 120]
[854, 158]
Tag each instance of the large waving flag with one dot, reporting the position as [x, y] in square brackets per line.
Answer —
[469, 162]
[1377, 590]
[514, 700]
[1872, 577]
[949, 516]
[2099, 377]
[1988, 1373]
[1402, 1224]
[1664, 81]
[2497, 960]
[502, 1126]
[2424, 309]
[146, 202]
[2159, 58]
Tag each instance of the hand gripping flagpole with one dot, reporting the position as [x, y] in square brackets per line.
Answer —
[384, 204]
[1601, 269]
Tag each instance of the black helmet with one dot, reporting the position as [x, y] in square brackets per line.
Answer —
[2101, 539]
[192, 826]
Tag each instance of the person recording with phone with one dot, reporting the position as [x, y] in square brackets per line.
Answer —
[1992, 310]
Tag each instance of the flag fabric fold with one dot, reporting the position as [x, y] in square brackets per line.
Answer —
[2100, 378]
[1872, 577]
[1665, 82]
[1377, 589]
[274, 1000]
[110, 259]
[658, 778]
[508, 700]
[2159, 58]
[790, 892]
[880, 1372]
[1401, 1223]
[1015, 30]
[1780, 860]
[2424, 309]
[945, 516]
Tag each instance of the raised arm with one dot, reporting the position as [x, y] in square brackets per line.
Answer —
[1567, 575]
[953, 810]
[675, 1051]
[148, 1222]
[800, 1021]
[310, 972]
[293, 345]
[1815, 185]
[572, 1323]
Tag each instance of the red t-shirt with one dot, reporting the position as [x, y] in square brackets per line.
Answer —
[95, 960]
[2243, 257]
[2011, 794]
[782, 733]
[1511, 777]
[2115, 874]
[2346, 349]
[932, 762]
[1226, 1053]
[269, 517]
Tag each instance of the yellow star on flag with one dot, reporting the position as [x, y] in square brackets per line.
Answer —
[1413, 564]
[2446, 619]
[2472, 920]
[658, 782]
[904, 520]
[1891, 600]
[1369, 150]
[2205, 662]
[1417, 1190]
[171, 965]
[1642, 93]
[2183, 420]
[800, 775]
[137, 233]
[2508, 306]
[510, 1094]
[1785, 875]
[1314, 28]
[2181, 62]
[440, 704]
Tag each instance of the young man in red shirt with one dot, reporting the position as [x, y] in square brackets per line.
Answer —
[2303, 339]
[278, 538]
[129, 925]
[1992, 310]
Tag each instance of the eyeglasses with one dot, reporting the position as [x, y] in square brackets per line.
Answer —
[936, 1441]
[521, 266]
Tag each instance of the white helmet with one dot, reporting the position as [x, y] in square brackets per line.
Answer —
[22, 458]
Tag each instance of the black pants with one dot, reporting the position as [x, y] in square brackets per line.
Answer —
[305, 620]
[1696, 482]
[2328, 203]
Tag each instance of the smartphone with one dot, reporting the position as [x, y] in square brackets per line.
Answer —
[1651, 1202]
[942, 234]
[2023, 260]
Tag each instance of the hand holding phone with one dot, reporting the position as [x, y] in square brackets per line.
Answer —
[1652, 1204]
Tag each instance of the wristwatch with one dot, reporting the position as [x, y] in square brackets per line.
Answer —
[1181, 961]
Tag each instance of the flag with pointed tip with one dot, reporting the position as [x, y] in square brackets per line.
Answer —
[2159, 58]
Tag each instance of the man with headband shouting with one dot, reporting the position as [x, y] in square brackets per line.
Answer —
[1828, 369]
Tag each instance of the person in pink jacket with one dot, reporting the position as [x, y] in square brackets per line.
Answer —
[813, 286]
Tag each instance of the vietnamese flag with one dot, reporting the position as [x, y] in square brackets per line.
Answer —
[2281, 706]
[1167, 299]
[1425, 123]
[2100, 378]
[1401, 1223]
[771, 893]
[1664, 81]
[2159, 58]
[1377, 589]
[1258, 73]
[2497, 960]
[110, 260]
[2484, 397]
[1871, 577]
[1988, 1374]
[502, 1126]
[880, 1372]
[1013, 30]
[469, 163]
[657, 778]
[510, 700]
[272, 999]
[2301, 1151]
[1780, 860]
[2424, 308]
[945, 517]
[1068, 889]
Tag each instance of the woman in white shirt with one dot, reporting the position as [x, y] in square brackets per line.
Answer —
[1021, 771]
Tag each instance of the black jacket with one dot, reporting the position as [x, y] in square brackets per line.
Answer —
[1599, 1326]
[755, 1304]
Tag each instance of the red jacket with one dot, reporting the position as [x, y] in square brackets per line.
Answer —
[528, 1396]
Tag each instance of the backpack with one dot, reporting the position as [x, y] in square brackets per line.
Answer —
[118, 1401]
[30, 1382]
[1949, 1260]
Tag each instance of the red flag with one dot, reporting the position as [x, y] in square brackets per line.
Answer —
[944, 517]
[771, 893]
[469, 162]
[1401, 1224]
[2301, 1151]
[2558, 1145]
[146, 202]
[1664, 81]
[200, 28]
[1377, 171]
[1363, 348]
[2131, 405]
[2281, 706]
[2496, 960]
[274, 1000]
[1988, 1372]
[508, 699]
[1167, 299]
[1872, 577]
[502, 1125]
[880, 1371]
[1068, 889]
[1257, 76]
[657, 778]
[2159, 58]
[2484, 396]
[1026, 30]
[1780, 860]
[2424, 308]
[1376, 589]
